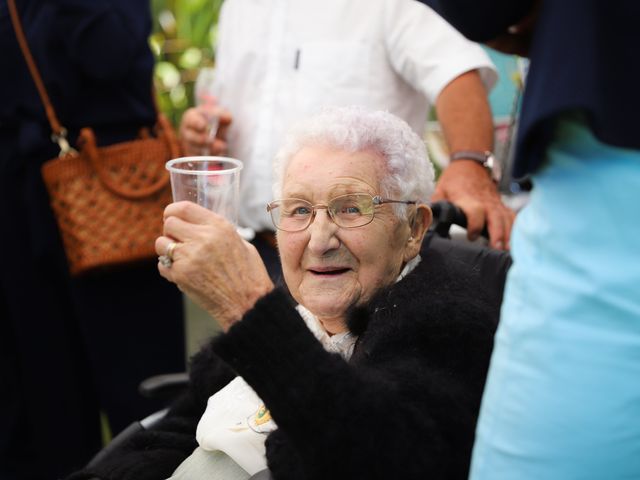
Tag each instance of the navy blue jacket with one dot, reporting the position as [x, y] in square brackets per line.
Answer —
[583, 57]
[96, 65]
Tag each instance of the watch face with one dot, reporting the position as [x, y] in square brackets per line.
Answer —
[494, 167]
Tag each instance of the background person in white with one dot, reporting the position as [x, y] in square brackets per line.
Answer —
[279, 60]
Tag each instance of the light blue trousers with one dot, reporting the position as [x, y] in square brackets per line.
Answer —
[562, 399]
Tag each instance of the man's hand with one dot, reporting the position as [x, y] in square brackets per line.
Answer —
[464, 114]
[195, 136]
[468, 185]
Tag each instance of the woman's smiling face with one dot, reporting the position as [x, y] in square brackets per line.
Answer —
[328, 268]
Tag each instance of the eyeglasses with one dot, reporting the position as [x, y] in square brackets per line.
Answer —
[347, 211]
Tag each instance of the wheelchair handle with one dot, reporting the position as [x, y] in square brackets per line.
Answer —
[164, 386]
[446, 214]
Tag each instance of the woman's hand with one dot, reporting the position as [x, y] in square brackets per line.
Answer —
[212, 264]
[195, 136]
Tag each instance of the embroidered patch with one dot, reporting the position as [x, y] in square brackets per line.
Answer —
[261, 421]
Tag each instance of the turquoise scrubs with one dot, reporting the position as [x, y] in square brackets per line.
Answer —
[562, 399]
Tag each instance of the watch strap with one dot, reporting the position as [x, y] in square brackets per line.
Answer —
[484, 158]
[478, 156]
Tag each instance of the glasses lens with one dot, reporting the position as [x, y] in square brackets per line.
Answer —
[291, 214]
[354, 210]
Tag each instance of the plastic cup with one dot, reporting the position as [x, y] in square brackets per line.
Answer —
[212, 182]
[208, 103]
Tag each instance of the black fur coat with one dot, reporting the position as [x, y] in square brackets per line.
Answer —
[404, 406]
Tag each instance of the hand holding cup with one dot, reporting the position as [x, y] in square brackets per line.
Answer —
[196, 134]
[212, 264]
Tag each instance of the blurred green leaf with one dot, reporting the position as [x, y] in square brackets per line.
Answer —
[167, 22]
[168, 74]
[178, 96]
[191, 58]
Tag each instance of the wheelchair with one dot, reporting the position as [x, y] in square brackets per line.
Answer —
[484, 269]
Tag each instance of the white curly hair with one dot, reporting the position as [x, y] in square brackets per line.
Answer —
[409, 172]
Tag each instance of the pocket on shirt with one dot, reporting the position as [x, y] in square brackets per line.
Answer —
[334, 73]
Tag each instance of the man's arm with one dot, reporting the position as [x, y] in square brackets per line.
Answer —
[465, 116]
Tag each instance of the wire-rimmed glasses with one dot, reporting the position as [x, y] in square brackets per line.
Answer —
[347, 211]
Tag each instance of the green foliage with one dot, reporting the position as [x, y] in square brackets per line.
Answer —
[184, 33]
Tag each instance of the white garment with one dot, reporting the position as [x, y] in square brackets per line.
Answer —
[236, 421]
[278, 61]
[342, 343]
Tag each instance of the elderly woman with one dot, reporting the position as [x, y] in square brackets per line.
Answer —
[369, 365]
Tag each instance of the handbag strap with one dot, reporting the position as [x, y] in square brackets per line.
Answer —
[59, 134]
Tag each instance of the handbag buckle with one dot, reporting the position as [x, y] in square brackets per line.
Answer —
[61, 139]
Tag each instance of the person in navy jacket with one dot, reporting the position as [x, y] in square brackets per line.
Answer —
[70, 348]
[562, 393]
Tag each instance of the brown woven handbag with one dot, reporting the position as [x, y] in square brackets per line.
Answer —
[108, 201]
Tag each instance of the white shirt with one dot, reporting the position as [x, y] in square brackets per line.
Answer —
[280, 60]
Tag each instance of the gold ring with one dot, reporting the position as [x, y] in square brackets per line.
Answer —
[170, 249]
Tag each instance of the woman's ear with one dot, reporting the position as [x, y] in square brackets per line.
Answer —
[419, 223]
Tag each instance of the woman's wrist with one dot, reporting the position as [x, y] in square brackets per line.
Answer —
[233, 312]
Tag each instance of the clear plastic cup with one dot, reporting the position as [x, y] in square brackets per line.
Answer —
[207, 102]
[212, 182]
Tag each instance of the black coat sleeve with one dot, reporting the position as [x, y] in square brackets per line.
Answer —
[155, 453]
[406, 403]
[483, 20]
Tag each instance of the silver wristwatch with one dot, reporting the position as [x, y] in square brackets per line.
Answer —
[486, 159]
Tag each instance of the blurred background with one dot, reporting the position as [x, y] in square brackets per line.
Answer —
[183, 39]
